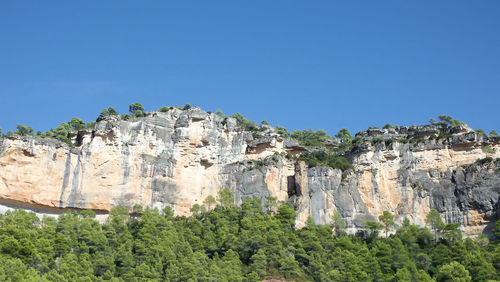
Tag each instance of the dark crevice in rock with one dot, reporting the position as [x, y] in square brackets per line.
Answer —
[292, 186]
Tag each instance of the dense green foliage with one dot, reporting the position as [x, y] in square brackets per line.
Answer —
[282, 131]
[488, 149]
[24, 130]
[323, 158]
[111, 111]
[219, 113]
[449, 121]
[343, 133]
[163, 109]
[136, 109]
[311, 138]
[61, 132]
[231, 244]
[327, 156]
[245, 123]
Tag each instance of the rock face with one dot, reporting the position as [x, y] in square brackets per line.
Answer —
[179, 158]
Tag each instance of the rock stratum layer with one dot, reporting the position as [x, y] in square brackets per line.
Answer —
[179, 158]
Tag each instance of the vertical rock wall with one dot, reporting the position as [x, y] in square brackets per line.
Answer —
[179, 158]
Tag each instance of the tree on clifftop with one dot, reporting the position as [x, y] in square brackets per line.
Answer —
[448, 120]
[24, 130]
[136, 109]
[343, 133]
[76, 123]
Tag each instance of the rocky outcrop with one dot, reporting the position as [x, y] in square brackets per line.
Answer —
[178, 158]
[409, 180]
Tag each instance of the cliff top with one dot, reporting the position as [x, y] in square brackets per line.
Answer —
[317, 146]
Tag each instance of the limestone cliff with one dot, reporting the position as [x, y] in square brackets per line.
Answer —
[178, 158]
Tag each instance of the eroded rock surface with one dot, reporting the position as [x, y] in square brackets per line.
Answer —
[179, 158]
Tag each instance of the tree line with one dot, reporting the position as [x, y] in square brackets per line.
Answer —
[222, 242]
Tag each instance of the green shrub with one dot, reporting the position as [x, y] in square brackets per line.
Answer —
[493, 133]
[90, 124]
[343, 133]
[387, 142]
[112, 111]
[344, 146]
[24, 130]
[417, 140]
[444, 135]
[347, 145]
[488, 150]
[282, 131]
[245, 123]
[125, 116]
[377, 140]
[449, 121]
[76, 123]
[163, 109]
[107, 112]
[59, 133]
[134, 108]
[484, 160]
[311, 138]
[256, 135]
[322, 158]
[140, 113]
[219, 113]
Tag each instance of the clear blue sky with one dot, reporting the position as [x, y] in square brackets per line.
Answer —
[299, 64]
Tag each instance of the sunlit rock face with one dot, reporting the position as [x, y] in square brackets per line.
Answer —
[178, 158]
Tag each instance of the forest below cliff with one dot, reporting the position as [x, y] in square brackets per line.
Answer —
[222, 242]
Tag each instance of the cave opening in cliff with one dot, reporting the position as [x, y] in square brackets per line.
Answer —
[79, 139]
[292, 186]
